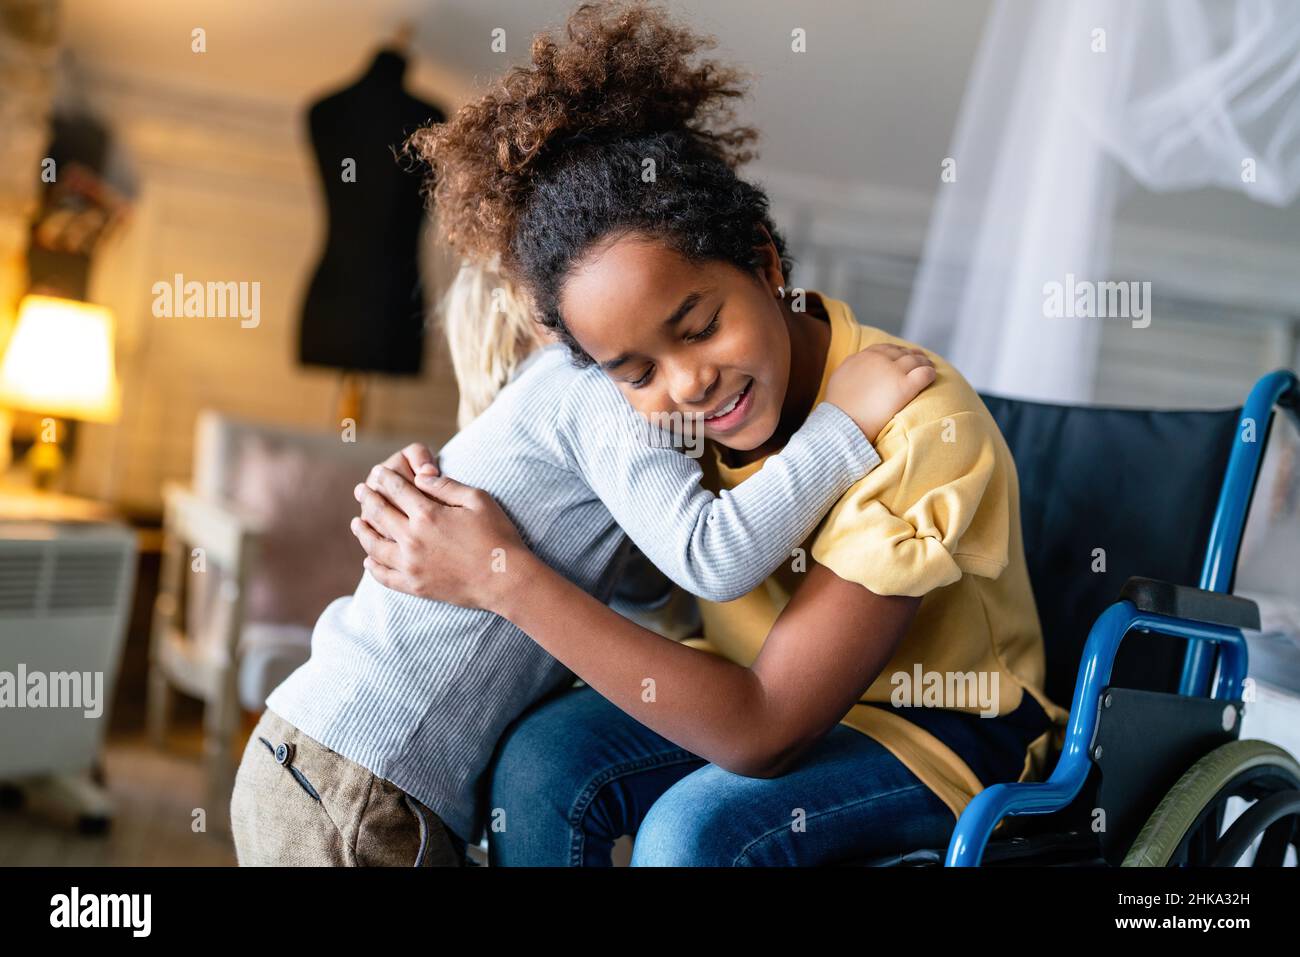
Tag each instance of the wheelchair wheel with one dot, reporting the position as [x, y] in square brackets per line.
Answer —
[1184, 829]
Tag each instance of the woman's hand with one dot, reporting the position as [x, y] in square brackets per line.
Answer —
[874, 385]
[437, 538]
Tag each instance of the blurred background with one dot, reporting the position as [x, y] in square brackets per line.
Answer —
[210, 321]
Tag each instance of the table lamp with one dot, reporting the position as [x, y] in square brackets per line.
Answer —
[60, 364]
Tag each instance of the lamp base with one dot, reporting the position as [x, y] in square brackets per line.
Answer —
[351, 398]
[46, 461]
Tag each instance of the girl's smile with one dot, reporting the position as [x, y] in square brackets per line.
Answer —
[730, 416]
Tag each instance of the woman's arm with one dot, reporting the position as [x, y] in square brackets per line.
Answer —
[826, 648]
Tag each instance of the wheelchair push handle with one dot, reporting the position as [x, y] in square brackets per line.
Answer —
[1278, 389]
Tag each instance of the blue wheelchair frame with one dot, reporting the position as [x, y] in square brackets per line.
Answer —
[970, 837]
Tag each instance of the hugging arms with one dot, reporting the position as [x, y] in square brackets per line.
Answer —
[426, 534]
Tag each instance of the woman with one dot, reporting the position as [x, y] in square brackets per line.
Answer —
[853, 703]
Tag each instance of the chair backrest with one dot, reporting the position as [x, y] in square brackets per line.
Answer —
[218, 438]
[1106, 494]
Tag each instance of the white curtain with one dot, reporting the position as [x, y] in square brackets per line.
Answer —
[1068, 104]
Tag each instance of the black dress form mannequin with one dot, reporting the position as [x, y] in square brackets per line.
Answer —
[364, 308]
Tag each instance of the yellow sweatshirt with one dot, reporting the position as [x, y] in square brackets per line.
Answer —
[939, 518]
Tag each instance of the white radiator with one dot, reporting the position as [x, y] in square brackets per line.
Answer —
[65, 592]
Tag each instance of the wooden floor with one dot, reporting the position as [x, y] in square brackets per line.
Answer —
[154, 792]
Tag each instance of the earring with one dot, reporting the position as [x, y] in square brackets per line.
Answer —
[780, 291]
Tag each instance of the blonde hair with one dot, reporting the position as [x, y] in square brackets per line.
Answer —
[490, 330]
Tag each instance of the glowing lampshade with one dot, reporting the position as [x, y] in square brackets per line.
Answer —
[60, 361]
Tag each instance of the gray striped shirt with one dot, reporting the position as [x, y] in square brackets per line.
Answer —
[419, 691]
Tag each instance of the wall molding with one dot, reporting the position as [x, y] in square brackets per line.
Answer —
[870, 221]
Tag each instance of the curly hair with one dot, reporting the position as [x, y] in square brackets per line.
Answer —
[616, 129]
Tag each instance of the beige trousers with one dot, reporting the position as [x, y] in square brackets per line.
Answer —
[297, 803]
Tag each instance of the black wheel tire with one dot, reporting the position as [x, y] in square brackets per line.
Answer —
[1200, 786]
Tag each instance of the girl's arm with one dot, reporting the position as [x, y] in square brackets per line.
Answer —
[720, 547]
[828, 645]
[716, 546]
[825, 650]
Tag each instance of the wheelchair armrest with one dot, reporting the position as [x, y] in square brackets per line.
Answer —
[1145, 604]
[1194, 604]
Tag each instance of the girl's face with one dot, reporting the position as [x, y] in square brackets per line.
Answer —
[677, 337]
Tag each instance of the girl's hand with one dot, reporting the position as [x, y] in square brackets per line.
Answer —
[409, 461]
[874, 385]
[438, 539]
[413, 459]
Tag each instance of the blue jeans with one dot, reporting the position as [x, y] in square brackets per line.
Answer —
[575, 773]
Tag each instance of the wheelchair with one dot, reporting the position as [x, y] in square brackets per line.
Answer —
[1120, 510]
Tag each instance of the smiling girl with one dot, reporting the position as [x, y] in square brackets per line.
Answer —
[790, 733]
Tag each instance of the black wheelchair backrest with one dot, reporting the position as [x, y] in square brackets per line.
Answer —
[1106, 494]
